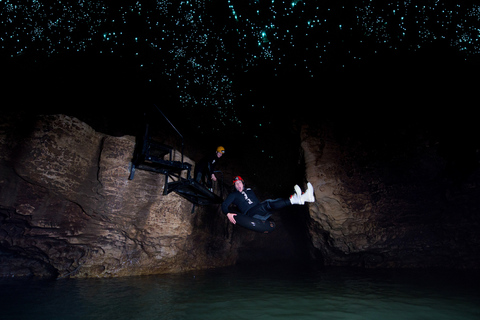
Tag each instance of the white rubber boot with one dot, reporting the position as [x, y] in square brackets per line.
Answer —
[297, 197]
[298, 192]
[309, 195]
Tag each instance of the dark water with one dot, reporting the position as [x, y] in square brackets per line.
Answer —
[267, 292]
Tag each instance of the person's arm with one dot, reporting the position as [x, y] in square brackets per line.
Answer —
[231, 217]
[226, 204]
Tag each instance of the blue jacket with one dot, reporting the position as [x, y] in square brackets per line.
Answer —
[244, 200]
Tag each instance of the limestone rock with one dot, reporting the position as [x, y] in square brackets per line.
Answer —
[388, 208]
[67, 208]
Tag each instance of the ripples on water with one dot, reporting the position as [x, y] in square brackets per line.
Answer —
[266, 292]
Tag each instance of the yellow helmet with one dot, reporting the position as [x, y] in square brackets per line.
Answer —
[221, 149]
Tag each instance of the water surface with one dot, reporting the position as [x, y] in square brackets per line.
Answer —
[276, 291]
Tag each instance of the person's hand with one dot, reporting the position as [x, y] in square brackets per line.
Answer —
[231, 216]
[214, 178]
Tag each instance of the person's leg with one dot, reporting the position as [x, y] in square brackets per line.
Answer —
[198, 176]
[209, 183]
[264, 208]
[267, 206]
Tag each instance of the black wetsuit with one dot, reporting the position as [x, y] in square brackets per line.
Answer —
[248, 203]
[205, 168]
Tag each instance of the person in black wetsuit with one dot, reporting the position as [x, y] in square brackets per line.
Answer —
[204, 170]
[248, 203]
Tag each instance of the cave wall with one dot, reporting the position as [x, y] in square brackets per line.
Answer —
[67, 207]
[389, 200]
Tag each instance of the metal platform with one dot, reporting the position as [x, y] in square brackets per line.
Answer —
[150, 155]
[194, 192]
[156, 157]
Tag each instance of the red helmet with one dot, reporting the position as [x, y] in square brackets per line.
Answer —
[238, 178]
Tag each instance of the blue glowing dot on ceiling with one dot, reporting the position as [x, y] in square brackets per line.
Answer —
[203, 46]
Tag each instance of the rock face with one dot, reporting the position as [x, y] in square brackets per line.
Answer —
[390, 203]
[68, 208]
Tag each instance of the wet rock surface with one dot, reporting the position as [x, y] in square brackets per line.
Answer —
[67, 208]
[389, 200]
[398, 198]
